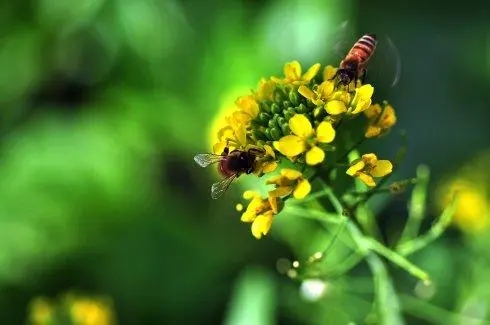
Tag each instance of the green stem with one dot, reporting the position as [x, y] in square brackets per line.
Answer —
[415, 244]
[417, 206]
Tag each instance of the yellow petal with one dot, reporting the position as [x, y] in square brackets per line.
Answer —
[248, 216]
[325, 89]
[274, 180]
[315, 156]
[373, 111]
[329, 72]
[291, 174]
[369, 159]
[335, 107]
[261, 225]
[292, 70]
[241, 134]
[364, 92]
[366, 179]
[325, 132]
[241, 117]
[290, 145]
[269, 151]
[273, 203]
[372, 131]
[306, 93]
[248, 105]
[218, 147]
[248, 195]
[301, 126]
[302, 189]
[355, 168]
[361, 106]
[269, 167]
[281, 191]
[312, 71]
[382, 168]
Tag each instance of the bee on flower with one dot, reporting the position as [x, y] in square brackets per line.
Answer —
[294, 119]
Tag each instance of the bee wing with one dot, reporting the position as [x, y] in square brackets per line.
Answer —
[218, 188]
[206, 159]
[398, 61]
[343, 39]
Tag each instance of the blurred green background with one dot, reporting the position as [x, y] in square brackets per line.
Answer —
[105, 102]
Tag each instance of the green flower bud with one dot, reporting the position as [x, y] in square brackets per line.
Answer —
[301, 108]
[276, 133]
[264, 118]
[285, 129]
[294, 98]
[265, 106]
[259, 135]
[275, 108]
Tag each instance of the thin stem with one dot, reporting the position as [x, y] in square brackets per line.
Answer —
[413, 245]
[417, 205]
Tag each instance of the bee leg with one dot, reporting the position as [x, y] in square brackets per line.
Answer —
[363, 75]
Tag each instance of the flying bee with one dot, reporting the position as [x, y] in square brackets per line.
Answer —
[230, 165]
[353, 66]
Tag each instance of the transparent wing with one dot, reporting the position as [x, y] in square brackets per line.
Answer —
[343, 39]
[206, 159]
[384, 69]
[218, 188]
[398, 62]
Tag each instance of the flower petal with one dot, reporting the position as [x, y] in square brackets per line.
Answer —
[291, 174]
[219, 147]
[248, 195]
[325, 132]
[325, 89]
[261, 225]
[366, 179]
[315, 156]
[290, 145]
[382, 168]
[292, 70]
[329, 72]
[248, 105]
[302, 189]
[372, 131]
[269, 167]
[312, 71]
[355, 168]
[364, 92]
[306, 92]
[335, 107]
[281, 191]
[301, 126]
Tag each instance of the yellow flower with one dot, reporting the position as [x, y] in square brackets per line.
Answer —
[40, 312]
[329, 72]
[290, 181]
[472, 214]
[341, 102]
[304, 139]
[86, 311]
[320, 95]
[293, 74]
[265, 90]
[267, 163]
[248, 107]
[233, 136]
[368, 167]
[379, 119]
[260, 212]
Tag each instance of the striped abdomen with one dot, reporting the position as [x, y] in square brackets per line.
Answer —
[363, 49]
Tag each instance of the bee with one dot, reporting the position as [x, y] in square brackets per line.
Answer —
[353, 66]
[230, 165]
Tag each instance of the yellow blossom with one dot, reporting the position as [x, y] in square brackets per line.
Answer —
[265, 90]
[379, 119]
[40, 311]
[368, 167]
[267, 163]
[260, 212]
[233, 135]
[329, 72]
[86, 311]
[472, 214]
[293, 74]
[304, 139]
[320, 95]
[290, 181]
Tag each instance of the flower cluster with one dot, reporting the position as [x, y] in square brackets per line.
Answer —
[71, 309]
[303, 119]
